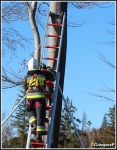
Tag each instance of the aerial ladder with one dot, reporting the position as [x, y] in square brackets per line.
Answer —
[15, 106]
[47, 136]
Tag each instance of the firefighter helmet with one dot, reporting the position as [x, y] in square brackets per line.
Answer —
[33, 64]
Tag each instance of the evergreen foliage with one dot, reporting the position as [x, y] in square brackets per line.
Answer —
[108, 135]
[104, 122]
[19, 123]
[67, 136]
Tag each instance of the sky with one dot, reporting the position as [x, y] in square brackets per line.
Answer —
[84, 71]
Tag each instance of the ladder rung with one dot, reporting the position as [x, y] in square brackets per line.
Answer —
[53, 35]
[48, 107]
[51, 47]
[48, 96]
[51, 24]
[50, 58]
[38, 144]
[49, 83]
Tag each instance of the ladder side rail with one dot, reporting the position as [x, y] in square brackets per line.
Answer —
[15, 100]
[44, 39]
[29, 138]
[54, 100]
[71, 117]
[55, 93]
[60, 45]
[13, 110]
[43, 47]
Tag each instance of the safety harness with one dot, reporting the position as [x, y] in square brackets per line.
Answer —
[35, 81]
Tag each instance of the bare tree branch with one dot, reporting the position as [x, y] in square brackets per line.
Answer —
[9, 82]
[75, 24]
[88, 5]
[28, 6]
[100, 96]
[108, 89]
[6, 79]
[102, 58]
[110, 32]
[111, 22]
[11, 38]
[106, 61]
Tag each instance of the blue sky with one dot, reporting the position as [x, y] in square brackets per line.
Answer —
[84, 72]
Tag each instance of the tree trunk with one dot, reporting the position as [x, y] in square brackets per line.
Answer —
[58, 8]
[32, 11]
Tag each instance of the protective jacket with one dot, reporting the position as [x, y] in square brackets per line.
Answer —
[39, 78]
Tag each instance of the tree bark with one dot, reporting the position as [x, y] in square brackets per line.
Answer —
[58, 8]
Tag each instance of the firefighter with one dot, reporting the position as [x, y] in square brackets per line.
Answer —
[34, 84]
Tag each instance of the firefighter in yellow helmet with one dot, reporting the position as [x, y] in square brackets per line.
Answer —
[35, 83]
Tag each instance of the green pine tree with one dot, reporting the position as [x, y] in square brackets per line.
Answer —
[104, 122]
[67, 135]
[20, 124]
[108, 135]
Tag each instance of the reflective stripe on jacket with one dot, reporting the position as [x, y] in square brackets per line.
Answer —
[35, 95]
[40, 128]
